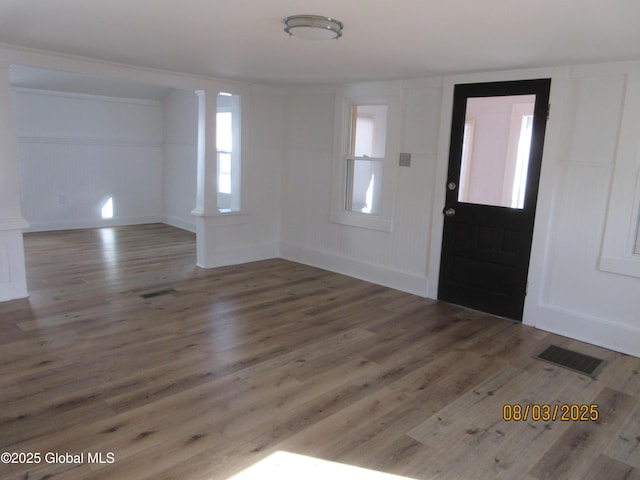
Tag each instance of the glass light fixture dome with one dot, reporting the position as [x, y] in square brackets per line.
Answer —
[313, 27]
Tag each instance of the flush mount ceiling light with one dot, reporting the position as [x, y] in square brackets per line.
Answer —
[313, 27]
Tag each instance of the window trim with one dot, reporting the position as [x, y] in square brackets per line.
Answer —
[343, 131]
[623, 217]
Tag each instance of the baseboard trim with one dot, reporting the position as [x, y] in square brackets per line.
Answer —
[236, 256]
[13, 281]
[587, 328]
[93, 223]
[387, 277]
[11, 291]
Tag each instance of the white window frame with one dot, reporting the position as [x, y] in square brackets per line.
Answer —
[345, 100]
[237, 200]
[622, 224]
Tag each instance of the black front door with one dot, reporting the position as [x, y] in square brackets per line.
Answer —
[497, 138]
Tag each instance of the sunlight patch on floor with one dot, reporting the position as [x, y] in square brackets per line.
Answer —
[291, 466]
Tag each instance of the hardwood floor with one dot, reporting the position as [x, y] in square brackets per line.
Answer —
[230, 365]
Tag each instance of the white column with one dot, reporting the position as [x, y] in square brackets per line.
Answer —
[12, 267]
[206, 195]
[207, 155]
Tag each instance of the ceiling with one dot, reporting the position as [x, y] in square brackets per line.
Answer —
[382, 39]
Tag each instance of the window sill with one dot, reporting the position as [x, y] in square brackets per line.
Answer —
[237, 217]
[362, 220]
[629, 266]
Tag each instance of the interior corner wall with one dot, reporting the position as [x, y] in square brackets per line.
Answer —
[180, 158]
[76, 151]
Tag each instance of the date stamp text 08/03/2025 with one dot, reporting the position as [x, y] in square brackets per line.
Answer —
[544, 412]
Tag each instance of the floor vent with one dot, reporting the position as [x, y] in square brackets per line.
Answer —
[578, 362]
[159, 293]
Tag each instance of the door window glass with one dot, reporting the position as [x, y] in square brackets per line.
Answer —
[495, 150]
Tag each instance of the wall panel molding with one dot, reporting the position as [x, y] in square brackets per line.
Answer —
[106, 142]
[86, 96]
[587, 328]
[93, 223]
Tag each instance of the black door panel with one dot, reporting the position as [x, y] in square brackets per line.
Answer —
[491, 198]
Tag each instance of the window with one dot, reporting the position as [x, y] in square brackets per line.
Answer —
[621, 243]
[365, 159]
[228, 148]
[366, 146]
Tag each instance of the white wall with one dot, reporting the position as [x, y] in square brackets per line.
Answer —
[180, 126]
[397, 258]
[568, 293]
[75, 151]
[577, 298]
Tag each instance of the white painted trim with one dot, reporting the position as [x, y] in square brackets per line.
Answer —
[13, 224]
[13, 54]
[621, 227]
[588, 328]
[86, 96]
[94, 223]
[253, 253]
[629, 266]
[109, 142]
[218, 219]
[540, 266]
[13, 279]
[362, 220]
[404, 281]
[605, 69]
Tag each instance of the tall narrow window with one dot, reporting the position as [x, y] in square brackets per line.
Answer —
[365, 159]
[228, 147]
